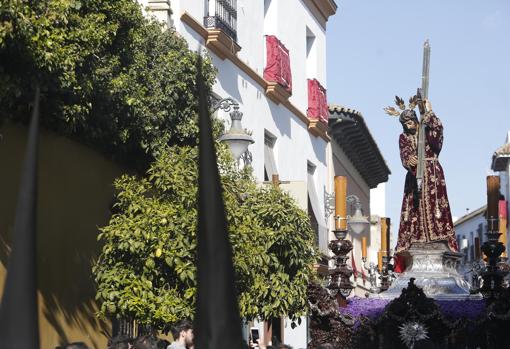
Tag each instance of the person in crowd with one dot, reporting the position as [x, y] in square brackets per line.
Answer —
[119, 342]
[163, 344]
[182, 333]
[145, 342]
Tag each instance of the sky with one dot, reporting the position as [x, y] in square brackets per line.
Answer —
[374, 52]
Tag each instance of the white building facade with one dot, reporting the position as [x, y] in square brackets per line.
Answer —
[280, 90]
[468, 228]
[353, 153]
[501, 165]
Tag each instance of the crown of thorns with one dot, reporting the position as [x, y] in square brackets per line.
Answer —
[413, 101]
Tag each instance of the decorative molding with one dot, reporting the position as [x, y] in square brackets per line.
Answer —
[215, 39]
[219, 44]
[276, 92]
[326, 7]
[162, 5]
[194, 24]
[318, 128]
[321, 10]
[249, 71]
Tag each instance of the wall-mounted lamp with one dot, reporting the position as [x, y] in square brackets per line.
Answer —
[236, 137]
[356, 222]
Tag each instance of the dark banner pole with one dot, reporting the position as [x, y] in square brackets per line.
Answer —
[19, 327]
[217, 320]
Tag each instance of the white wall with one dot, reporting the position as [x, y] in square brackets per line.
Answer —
[295, 146]
[378, 200]
[469, 229]
[293, 17]
[296, 337]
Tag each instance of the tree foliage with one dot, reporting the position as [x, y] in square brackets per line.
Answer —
[146, 270]
[109, 75]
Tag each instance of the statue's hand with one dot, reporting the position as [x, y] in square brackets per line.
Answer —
[413, 161]
[428, 105]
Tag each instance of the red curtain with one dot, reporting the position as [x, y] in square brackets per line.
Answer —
[277, 63]
[317, 101]
[502, 209]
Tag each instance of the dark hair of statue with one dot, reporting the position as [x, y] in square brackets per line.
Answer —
[406, 115]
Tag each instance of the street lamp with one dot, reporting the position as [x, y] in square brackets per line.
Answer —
[236, 137]
[358, 222]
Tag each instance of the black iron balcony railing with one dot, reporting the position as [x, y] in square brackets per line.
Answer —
[225, 17]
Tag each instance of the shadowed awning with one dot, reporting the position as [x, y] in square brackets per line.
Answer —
[348, 129]
[500, 158]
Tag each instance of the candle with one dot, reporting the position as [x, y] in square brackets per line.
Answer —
[477, 248]
[384, 236]
[492, 202]
[502, 225]
[379, 260]
[388, 244]
[340, 203]
[364, 247]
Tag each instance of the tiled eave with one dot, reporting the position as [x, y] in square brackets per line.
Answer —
[500, 158]
[348, 129]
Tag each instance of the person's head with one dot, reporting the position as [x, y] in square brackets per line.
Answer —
[409, 121]
[163, 344]
[119, 342]
[145, 342]
[183, 332]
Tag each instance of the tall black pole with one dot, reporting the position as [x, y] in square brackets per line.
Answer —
[19, 326]
[217, 320]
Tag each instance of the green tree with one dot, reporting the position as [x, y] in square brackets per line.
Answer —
[110, 76]
[146, 270]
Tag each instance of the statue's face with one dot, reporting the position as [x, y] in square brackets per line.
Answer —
[410, 126]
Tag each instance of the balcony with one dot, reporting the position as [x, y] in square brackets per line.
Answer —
[277, 72]
[221, 28]
[317, 112]
[224, 18]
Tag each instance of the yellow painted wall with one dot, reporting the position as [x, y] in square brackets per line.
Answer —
[75, 194]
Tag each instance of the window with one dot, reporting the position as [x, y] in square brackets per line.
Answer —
[222, 15]
[277, 63]
[269, 159]
[479, 231]
[317, 102]
[270, 17]
[312, 202]
[267, 4]
[314, 211]
[311, 55]
[463, 248]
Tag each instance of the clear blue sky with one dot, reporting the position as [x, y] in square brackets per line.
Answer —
[374, 51]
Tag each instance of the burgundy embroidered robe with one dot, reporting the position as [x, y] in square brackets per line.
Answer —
[425, 217]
